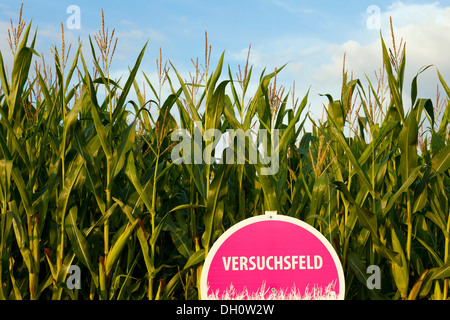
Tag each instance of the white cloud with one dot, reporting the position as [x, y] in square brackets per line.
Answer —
[318, 63]
[4, 46]
[424, 28]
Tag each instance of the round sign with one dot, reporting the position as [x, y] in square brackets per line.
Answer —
[272, 257]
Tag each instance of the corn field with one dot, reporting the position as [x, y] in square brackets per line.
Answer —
[87, 177]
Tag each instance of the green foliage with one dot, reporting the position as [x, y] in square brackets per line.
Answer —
[88, 182]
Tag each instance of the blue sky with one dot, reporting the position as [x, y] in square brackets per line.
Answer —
[311, 36]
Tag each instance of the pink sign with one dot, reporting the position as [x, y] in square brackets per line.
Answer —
[272, 257]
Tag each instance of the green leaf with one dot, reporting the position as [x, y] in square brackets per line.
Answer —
[214, 206]
[15, 142]
[360, 271]
[192, 108]
[414, 85]
[417, 286]
[319, 188]
[446, 116]
[336, 112]
[408, 139]
[79, 244]
[412, 177]
[196, 258]
[360, 173]
[380, 136]
[441, 161]
[268, 185]
[213, 80]
[179, 238]
[400, 271]
[73, 67]
[102, 131]
[368, 220]
[216, 106]
[114, 253]
[24, 193]
[393, 83]
[92, 104]
[3, 76]
[130, 171]
[5, 178]
[157, 231]
[64, 196]
[126, 89]
[102, 219]
[93, 181]
[287, 134]
[19, 76]
[259, 97]
[71, 118]
[433, 274]
[127, 140]
[141, 235]
[22, 239]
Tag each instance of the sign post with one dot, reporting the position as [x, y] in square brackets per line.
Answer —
[272, 257]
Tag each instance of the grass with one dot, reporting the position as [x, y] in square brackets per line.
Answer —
[86, 181]
[263, 293]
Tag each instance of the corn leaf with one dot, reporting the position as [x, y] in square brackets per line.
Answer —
[117, 248]
[400, 271]
[80, 246]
